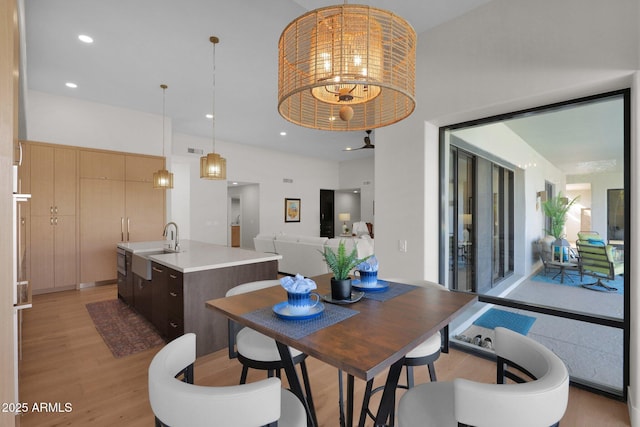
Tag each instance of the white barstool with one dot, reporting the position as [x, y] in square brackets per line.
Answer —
[423, 355]
[537, 398]
[179, 403]
[257, 351]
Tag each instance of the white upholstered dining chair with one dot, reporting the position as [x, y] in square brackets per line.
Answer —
[537, 398]
[425, 354]
[177, 402]
[257, 351]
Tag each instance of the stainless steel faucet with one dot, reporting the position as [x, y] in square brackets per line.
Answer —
[177, 241]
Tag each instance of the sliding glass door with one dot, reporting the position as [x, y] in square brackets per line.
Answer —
[502, 254]
[480, 222]
[461, 229]
[496, 174]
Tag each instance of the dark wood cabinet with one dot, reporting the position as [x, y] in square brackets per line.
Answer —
[174, 302]
[159, 289]
[167, 313]
[122, 288]
[125, 282]
[175, 305]
[142, 296]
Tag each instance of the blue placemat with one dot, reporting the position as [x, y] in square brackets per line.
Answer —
[393, 291]
[296, 329]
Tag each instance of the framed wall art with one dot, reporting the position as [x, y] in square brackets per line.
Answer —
[291, 210]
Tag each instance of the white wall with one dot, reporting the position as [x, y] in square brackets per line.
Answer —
[198, 206]
[70, 121]
[360, 173]
[504, 56]
[179, 199]
[600, 183]
[407, 199]
[574, 225]
[269, 168]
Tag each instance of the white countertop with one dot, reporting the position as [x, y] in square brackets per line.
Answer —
[198, 256]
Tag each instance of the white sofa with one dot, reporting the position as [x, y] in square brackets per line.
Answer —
[264, 243]
[365, 244]
[303, 254]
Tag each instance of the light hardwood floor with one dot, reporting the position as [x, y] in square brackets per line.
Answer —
[66, 361]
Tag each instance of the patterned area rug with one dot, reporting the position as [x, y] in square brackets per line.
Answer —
[123, 330]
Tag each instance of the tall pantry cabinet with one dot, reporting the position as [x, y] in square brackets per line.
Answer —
[101, 214]
[84, 202]
[117, 204]
[53, 238]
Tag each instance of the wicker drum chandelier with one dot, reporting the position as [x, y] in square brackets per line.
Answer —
[347, 67]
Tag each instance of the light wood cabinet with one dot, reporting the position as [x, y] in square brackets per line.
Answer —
[145, 212]
[53, 259]
[142, 168]
[235, 236]
[102, 226]
[117, 204]
[84, 202]
[101, 165]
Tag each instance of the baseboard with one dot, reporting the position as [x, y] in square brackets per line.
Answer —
[99, 283]
[634, 411]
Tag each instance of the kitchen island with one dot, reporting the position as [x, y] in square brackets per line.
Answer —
[170, 288]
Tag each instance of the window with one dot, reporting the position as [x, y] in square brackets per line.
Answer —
[515, 158]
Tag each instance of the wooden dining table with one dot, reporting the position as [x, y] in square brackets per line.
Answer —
[373, 339]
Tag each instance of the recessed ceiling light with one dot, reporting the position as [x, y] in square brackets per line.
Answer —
[71, 85]
[234, 183]
[283, 133]
[209, 116]
[85, 38]
[348, 149]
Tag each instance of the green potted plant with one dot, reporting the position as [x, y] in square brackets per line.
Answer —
[556, 208]
[341, 263]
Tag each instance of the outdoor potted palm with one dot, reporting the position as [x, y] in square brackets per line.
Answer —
[341, 263]
[556, 208]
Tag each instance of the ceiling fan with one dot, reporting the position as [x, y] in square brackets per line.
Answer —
[367, 143]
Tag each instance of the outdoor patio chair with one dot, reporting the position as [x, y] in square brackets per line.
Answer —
[598, 259]
[545, 255]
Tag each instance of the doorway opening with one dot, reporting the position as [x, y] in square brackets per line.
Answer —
[243, 214]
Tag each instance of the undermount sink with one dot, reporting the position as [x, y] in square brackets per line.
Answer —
[141, 264]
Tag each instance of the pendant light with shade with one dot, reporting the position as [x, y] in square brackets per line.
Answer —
[213, 166]
[347, 67]
[163, 179]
